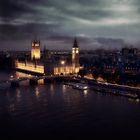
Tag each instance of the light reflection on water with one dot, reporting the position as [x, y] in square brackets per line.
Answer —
[41, 82]
[52, 87]
[18, 95]
[12, 107]
[37, 92]
[85, 93]
[64, 88]
[21, 75]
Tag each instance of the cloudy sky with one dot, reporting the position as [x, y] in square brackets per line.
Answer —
[56, 22]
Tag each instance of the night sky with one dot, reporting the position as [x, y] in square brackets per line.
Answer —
[57, 22]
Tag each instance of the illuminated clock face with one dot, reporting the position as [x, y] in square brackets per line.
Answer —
[73, 51]
[37, 45]
[77, 51]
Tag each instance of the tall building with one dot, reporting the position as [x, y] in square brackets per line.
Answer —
[129, 51]
[48, 62]
[35, 50]
[75, 55]
[125, 51]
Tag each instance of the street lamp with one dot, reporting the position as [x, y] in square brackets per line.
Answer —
[63, 69]
[62, 62]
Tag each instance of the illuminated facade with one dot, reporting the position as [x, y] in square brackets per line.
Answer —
[29, 66]
[35, 51]
[63, 67]
[50, 66]
[66, 70]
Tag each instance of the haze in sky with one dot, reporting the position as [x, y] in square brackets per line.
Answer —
[57, 22]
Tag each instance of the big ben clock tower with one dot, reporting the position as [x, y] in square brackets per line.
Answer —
[75, 55]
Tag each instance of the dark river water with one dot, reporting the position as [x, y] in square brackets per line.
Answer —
[56, 110]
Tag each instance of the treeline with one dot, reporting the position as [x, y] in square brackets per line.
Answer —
[116, 77]
[6, 63]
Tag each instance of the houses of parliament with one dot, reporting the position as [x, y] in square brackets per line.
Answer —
[47, 64]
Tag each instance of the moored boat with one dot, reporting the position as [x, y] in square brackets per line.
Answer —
[80, 86]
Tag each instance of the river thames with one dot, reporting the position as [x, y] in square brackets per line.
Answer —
[57, 110]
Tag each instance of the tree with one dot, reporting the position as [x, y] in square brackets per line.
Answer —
[95, 74]
[82, 73]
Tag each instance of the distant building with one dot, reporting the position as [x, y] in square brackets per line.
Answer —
[35, 50]
[110, 68]
[133, 69]
[133, 51]
[129, 51]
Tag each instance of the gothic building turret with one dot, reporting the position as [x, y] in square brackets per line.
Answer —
[35, 51]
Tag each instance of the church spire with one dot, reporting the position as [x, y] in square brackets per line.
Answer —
[75, 45]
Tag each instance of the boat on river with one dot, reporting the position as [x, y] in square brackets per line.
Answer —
[129, 95]
[80, 86]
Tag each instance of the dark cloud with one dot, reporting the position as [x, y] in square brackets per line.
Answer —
[60, 21]
[12, 9]
[26, 31]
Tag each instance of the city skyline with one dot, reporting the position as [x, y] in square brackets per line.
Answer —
[56, 23]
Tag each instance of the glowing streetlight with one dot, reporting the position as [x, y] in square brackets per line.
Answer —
[62, 62]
